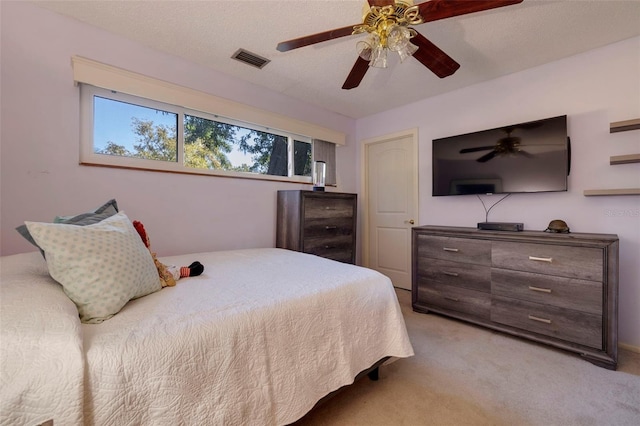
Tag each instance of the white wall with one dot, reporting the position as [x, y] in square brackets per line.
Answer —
[40, 174]
[593, 89]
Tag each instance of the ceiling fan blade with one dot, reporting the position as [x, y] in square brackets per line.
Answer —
[480, 148]
[487, 157]
[433, 58]
[357, 73]
[285, 46]
[440, 9]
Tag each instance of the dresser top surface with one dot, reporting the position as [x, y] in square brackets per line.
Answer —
[539, 236]
[308, 193]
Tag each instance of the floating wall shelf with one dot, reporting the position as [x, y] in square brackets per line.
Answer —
[623, 126]
[619, 126]
[624, 159]
[621, 191]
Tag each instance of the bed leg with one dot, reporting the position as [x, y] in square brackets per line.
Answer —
[374, 374]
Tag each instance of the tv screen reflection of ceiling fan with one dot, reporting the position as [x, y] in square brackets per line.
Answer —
[388, 24]
[508, 145]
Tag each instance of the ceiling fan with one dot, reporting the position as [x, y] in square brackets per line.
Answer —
[388, 23]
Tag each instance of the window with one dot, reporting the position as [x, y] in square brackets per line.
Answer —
[128, 131]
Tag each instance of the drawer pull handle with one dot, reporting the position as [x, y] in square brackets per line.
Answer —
[328, 247]
[454, 250]
[541, 259]
[544, 320]
[451, 274]
[541, 290]
[455, 299]
[330, 227]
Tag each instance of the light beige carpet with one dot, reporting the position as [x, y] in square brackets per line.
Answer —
[467, 375]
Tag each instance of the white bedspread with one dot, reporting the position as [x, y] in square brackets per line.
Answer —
[258, 339]
[41, 359]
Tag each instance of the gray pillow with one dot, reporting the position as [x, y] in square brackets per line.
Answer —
[106, 210]
[22, 230]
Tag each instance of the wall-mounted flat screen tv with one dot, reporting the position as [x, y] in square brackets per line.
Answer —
[526, 157]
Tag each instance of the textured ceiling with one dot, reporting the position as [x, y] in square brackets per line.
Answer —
[487, 44]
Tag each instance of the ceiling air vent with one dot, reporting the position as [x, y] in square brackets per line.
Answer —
[250, 58]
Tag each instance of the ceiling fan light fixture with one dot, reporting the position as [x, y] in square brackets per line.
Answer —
[364, 51]
[388, 27]
[378, 57]
[407, 51]
[397, 36]
[398, 40]
[372, 51]
[364, 48]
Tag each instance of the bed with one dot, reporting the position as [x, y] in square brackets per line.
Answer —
[258, 338]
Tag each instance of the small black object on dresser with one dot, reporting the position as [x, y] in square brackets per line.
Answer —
[320, 223]
[557, 289]
[501, 226]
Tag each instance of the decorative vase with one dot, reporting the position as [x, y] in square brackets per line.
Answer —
[319, 172]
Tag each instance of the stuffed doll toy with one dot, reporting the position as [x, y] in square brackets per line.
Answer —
[169, 274]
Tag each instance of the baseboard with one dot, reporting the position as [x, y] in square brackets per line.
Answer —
[628, 347]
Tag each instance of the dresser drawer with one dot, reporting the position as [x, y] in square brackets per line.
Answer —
[335, 247]
[327, 227]
[477, 252]
[566, 261]
[475, 277]
[328, 208]
[344, 255]
[564, 324]
[571, 293]
[475, 303]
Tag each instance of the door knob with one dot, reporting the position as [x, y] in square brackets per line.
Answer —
[411, 221]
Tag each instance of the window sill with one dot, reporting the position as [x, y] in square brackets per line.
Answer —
[203, 172]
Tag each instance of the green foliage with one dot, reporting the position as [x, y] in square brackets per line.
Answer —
[207, 143]
[154, 142]
[113, 148]
[268, 151]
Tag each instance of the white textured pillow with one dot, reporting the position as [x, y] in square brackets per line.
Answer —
[101, 267]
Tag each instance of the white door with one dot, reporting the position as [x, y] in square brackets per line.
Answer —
[391, 204]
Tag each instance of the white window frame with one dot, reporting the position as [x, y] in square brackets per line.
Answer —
[88, 156]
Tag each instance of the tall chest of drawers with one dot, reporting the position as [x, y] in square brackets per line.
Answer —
[316, 222]
[556, 289]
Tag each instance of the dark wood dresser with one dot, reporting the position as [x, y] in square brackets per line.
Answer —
[317, 222]
[556, 289]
